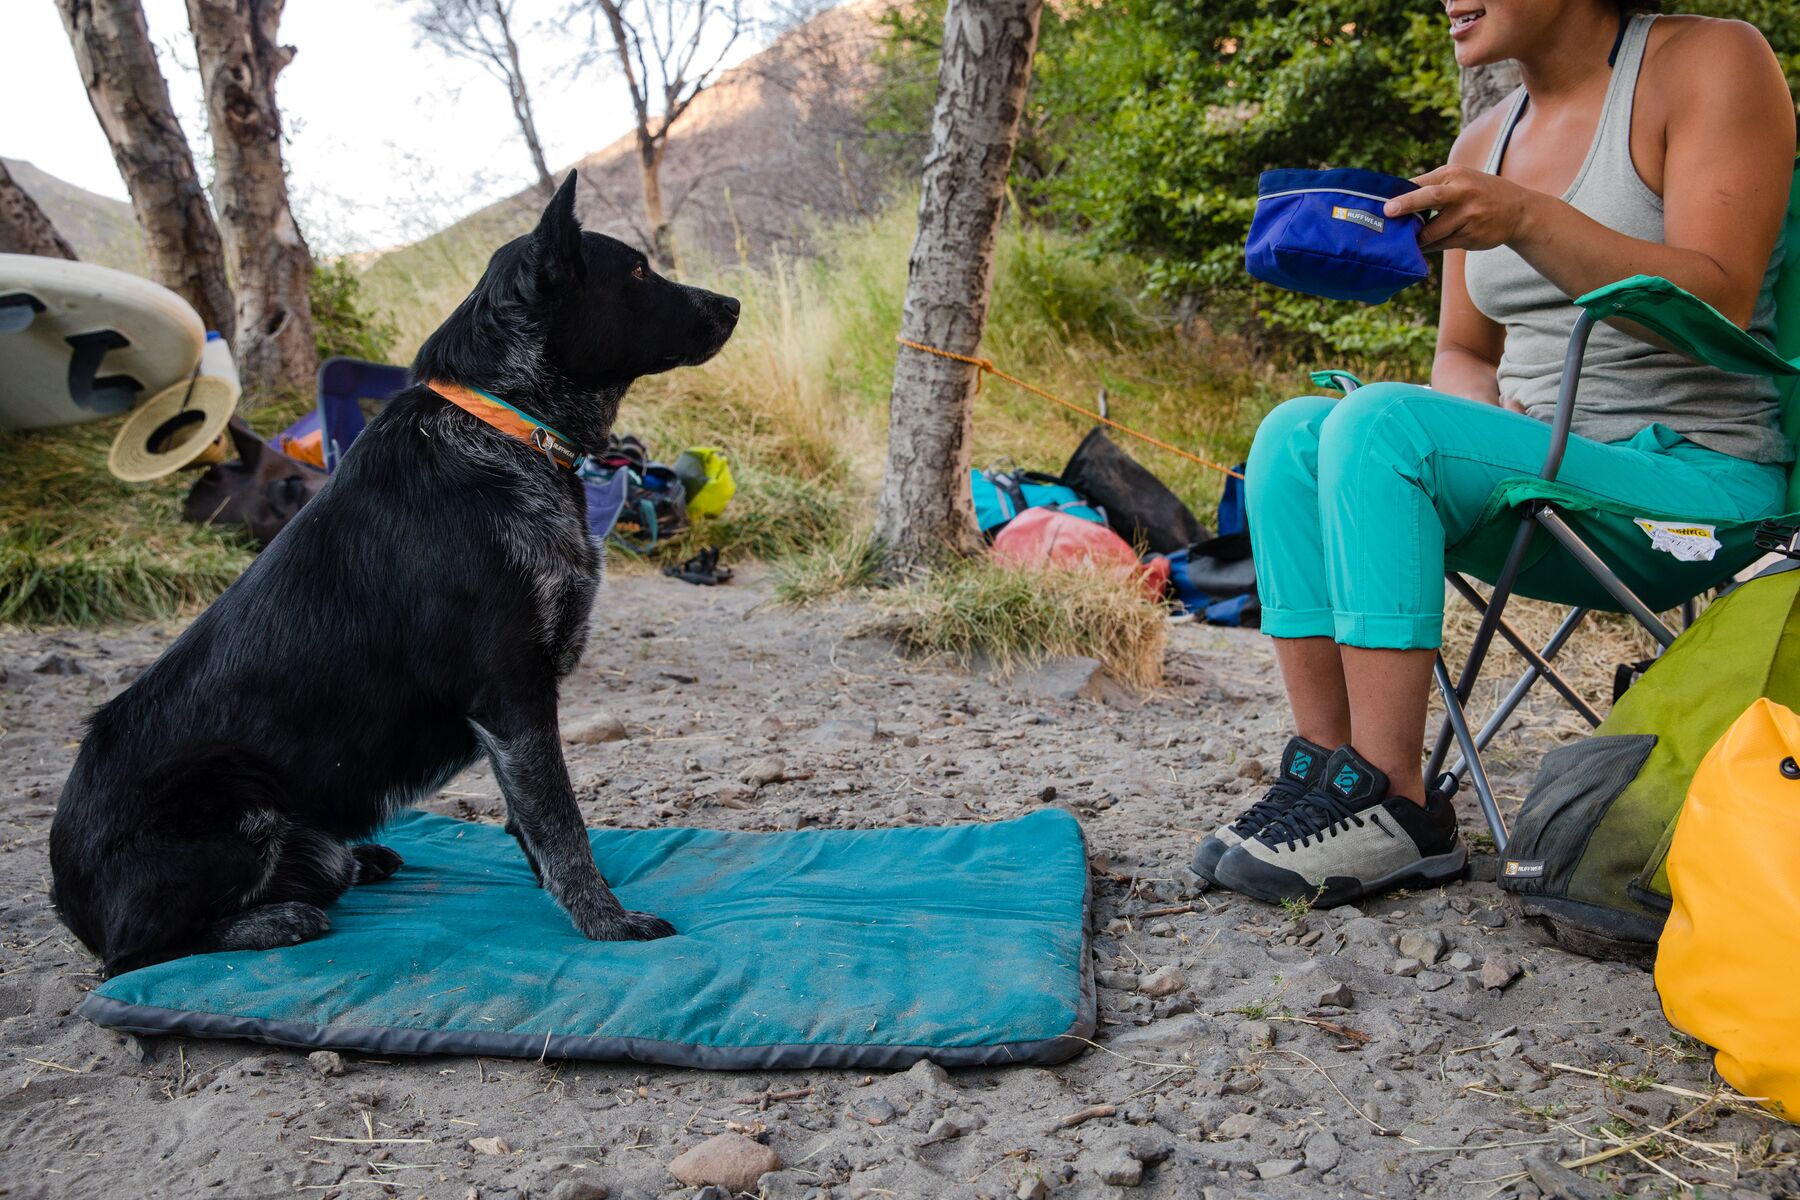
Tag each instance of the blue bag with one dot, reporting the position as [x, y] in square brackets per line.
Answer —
[1323, 233]
[1002, 495]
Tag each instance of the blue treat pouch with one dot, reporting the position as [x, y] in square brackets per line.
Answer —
[1323, 233]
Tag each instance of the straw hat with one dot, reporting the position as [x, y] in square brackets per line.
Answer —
[180, 426]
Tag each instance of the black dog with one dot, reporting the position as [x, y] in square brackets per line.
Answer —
[417, 613]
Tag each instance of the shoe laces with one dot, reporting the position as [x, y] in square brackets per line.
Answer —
[1278, 799]
[1316, 815]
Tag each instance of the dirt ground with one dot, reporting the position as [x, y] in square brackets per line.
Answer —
[1291, 1059]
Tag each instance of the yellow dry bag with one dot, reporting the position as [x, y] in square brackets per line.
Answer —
[706, 473]
[1728, 964]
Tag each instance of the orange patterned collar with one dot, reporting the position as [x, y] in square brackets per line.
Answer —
[508, 420]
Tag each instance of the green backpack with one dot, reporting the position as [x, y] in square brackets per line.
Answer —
[1589, 846]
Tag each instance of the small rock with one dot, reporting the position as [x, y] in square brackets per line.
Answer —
[596, 730]
[1276, 1168]
[1149, 1148]
[728, 1160]
[1462, 960]
[873, 1111]
[1259, 1034]
[1237, 1125]
[1032, 1187]
[715, 1192]
[1498, 971]
[1507, 1046]
[1407, 967]
[944, 1129]
[1252, 769]
[1557, 1182]
[1120, 981]
[489, 1145]
[579, 1189]
[59, 664]
[1426, 945]
[1432, 981]
[1120, 1169]
[930, 1078]
[1338, 995]
[1490, 918]
[764, 771]
[1164, 981]
[1323, 1151]
[326, 1062]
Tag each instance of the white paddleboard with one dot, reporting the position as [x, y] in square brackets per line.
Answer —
[56, 314]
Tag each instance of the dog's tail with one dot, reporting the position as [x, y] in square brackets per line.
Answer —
[141, 868]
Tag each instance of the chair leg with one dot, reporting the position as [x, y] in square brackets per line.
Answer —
[1603, 575]
[1484, 635]
[1458, 722]
[1539, 660]
[1522, 687]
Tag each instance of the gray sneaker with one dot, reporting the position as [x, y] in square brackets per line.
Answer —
[1302, 767]
[1345, 840]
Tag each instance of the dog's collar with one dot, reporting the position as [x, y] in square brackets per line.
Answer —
[508, 420]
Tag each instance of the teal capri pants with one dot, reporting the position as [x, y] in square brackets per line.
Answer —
[1352, 502]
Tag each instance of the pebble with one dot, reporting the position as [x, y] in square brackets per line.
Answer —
[1407, 967]
[579, 1189]
[597, 730]
[1252, 769]
[1122, 981]
[1462, 960]
[1120, 1169]
[1498, 971]
[1431, 981]
[873, 1110]
[728, 1160]
[59, 664]
[1323, 1152]
[490, 1145]
[1237, 1125]
[930, 1078]
[1490, 918]
[1258, 1034]
[326, 1062]
[1166, 980]
[1032, 1187]
[1426, 945]
[764, 771]
[1337, 996]
[1276, 1168]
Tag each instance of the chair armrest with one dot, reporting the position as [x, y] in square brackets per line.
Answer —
[1687, 323]
[1337, 381]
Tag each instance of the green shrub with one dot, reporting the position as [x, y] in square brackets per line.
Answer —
[344, 321]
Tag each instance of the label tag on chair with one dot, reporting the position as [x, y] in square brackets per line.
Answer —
[1689, 543]
[1524, 868]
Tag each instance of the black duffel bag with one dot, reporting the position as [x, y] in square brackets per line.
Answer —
[1138, 506]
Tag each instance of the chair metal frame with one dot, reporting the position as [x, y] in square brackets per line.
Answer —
[1534, 515]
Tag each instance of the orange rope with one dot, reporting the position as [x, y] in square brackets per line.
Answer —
[986, 366]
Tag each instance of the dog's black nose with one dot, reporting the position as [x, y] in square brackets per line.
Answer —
[731, 304]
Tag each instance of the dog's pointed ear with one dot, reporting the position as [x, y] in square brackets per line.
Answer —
[556, 242]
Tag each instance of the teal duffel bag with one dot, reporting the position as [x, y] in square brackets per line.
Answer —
[1000, 495]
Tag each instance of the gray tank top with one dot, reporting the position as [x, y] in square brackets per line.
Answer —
[1626, 384]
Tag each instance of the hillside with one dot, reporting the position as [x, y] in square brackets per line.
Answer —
[101, 229]
[770, 152]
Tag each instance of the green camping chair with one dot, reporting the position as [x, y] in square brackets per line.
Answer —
[1596, 557]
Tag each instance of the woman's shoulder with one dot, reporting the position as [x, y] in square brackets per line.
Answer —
[1476, 142]
[1680, 42]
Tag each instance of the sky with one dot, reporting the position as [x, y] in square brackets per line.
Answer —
[387, 141]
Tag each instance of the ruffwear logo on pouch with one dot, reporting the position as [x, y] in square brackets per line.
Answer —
[1357, 216]
[1524, 868]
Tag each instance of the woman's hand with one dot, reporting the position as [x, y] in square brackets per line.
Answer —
[1475, 210]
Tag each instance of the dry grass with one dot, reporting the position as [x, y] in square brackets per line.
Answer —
[1020, 616]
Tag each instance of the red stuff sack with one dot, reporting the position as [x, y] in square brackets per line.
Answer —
[1045, 537]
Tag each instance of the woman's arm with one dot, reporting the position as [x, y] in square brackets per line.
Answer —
[1468, 344]
[1729, 159]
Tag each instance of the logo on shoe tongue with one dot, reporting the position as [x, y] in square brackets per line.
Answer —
[1347, 779]
[1300, 765]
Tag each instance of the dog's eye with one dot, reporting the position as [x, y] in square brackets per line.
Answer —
[640, 272]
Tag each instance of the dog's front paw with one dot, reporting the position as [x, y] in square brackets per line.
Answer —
[374, 863]
[626, 926]
[285, 924]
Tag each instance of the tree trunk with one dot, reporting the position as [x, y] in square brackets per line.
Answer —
[239, 60]
[126, 87]
[662, 243]
[24, 229]
[1485, 86]
[521, 104]
[925, 514]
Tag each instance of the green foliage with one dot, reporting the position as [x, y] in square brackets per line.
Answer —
[344, 321]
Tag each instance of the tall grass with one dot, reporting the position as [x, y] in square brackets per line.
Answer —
[798, 399]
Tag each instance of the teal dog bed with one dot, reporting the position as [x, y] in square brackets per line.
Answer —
[966, 945]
